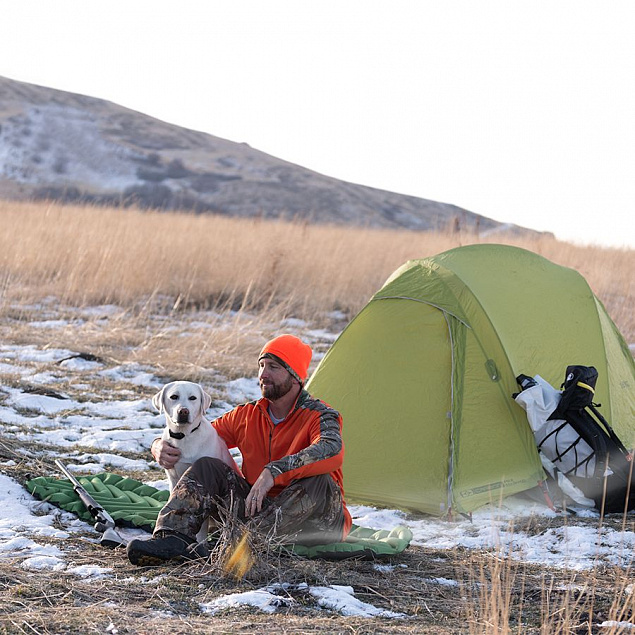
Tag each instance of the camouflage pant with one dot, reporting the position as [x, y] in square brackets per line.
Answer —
[309, 511]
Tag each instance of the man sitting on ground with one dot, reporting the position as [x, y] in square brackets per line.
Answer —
[292, 451]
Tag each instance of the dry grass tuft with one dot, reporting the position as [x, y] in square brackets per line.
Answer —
[506, 596]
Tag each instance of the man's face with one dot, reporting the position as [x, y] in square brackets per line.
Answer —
[275, 380]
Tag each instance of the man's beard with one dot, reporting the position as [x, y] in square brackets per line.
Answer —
[276, 391]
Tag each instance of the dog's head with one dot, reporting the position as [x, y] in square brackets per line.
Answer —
[183, 402]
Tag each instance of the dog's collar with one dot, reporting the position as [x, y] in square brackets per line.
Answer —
[180, 435]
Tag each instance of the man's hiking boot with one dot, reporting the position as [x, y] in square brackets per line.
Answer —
[163, 547]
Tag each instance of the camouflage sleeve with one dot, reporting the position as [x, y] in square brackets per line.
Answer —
[327, 446]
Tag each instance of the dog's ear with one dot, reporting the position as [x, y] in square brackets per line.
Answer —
[206, 401]
[157, 400]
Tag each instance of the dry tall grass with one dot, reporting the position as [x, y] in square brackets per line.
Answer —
[85, 256]
[507, 595]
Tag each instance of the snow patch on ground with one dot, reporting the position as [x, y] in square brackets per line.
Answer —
[337, 598]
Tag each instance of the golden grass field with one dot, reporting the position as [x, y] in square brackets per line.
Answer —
[88, 255]
[165, 272]
[251, 272]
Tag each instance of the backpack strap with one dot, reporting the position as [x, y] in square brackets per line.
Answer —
[592, 407]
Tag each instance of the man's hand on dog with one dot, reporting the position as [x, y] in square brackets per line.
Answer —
[253, 502]
[164, 454]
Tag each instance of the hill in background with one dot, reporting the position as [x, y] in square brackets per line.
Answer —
[68, 147]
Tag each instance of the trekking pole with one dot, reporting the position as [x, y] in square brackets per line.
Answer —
[104, 521]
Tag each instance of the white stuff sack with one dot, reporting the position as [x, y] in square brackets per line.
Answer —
[565, 485]
[556, 439]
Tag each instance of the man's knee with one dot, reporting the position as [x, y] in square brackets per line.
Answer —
[208, 464]
[308, 509]
[315, 493]
[216, 477]
[320, 479]
[318, 486]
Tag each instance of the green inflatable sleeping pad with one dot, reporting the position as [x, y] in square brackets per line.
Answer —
[361, 543]
[134, 504]
[129, 502]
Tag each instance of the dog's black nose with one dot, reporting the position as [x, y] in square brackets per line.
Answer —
[182, 415]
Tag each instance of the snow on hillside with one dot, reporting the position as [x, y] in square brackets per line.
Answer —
[52, 143]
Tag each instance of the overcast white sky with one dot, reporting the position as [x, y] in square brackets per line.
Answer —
[521, 110]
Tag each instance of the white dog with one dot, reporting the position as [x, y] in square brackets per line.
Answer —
[184, 405]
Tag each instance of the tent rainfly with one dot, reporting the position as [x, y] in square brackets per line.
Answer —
[424, 374]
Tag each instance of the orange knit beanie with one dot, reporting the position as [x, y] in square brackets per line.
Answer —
[294, 354]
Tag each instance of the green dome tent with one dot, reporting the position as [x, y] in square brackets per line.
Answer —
[424, 374]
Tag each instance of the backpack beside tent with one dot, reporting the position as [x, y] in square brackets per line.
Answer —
[424, 374]
[582, 449]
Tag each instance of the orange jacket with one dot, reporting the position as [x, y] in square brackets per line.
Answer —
[307, 442]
